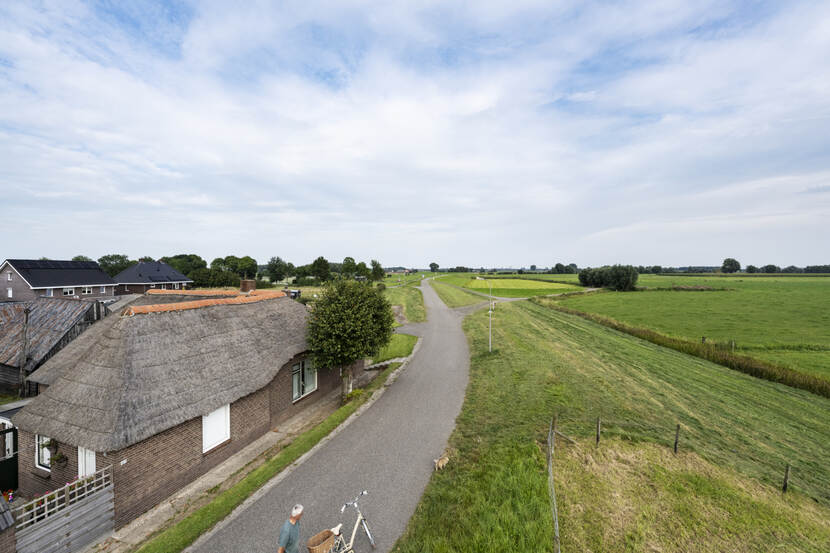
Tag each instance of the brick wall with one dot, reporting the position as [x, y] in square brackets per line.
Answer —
[33, 480]
[159, 466]
[20, 290]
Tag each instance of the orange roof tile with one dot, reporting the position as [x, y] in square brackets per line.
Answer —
[194, 292]
[182, 306]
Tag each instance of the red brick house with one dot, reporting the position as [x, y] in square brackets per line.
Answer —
[166, 391]
[27, 279]
[150, 275]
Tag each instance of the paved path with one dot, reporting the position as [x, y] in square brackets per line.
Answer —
[388, 450]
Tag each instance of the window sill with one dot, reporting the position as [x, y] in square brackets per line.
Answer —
[217, 447]
[44, 474]
[302, 397]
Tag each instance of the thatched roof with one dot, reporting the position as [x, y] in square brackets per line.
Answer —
[128, 378]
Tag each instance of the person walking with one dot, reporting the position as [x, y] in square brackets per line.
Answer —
[289, 541]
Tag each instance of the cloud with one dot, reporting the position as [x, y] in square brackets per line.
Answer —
[488, 134]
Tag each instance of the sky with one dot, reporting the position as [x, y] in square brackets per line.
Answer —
[478, 133]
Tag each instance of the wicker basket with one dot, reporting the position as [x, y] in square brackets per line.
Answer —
[321, 542]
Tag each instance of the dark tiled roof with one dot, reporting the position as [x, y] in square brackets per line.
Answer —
[49, 320]
[43, 274]
[150, 272]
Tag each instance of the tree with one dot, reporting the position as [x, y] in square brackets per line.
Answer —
[348, 267]
[377, 271]
[350, 321]
[81, 258]
[145, 259]
[185, 263]
[751, 269]
[559, 269]
[246, 267]
[433, 267]
[730, 265]
[276, 269]
[771, 269]
[533, 267]
[792, 269]
[114, 263]
[618, 277]
[320, 268]
[363, 270]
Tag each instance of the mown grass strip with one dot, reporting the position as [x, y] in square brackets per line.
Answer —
[177, 537]
[453, 296]
[710, 352]
[400, 345]
[409, 297]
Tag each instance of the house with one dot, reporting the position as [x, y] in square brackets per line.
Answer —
[144, 276]
[27, 279]
[165, 391]
[33, 331]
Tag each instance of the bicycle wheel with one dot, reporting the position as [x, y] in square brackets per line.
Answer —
[368, 533]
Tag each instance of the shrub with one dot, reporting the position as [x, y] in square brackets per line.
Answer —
[616, 277]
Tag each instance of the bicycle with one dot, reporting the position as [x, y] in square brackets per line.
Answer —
[340, 545]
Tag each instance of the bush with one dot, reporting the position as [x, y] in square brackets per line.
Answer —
[305, 281]
[381, 286]
[617, 277]
[260, 284]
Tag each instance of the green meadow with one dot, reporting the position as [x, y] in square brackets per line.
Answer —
[514, 287]
[784, 320]
[630, 493]
[410, 299]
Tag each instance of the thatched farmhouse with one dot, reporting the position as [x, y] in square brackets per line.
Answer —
[27, 279]
[149, 275]
[165, 391]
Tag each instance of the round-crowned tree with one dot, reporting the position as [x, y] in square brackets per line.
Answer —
[730, 265]
[350, 321]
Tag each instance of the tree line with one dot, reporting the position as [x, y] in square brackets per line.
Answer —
[732, 265]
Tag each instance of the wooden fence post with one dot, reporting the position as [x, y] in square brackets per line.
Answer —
[599, 426]
[786, 479]
[676, 437]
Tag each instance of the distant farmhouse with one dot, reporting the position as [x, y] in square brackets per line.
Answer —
[144, 276]
[28, 279]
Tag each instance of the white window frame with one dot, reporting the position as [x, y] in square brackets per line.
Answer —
[87, 290]
[103, 289]
[86, 462]
[176, 286]
[50, 292]
[68, 291]
[152, 286]
[9, 276]
[302, 370]
[9, 293]
[221, 416]
[40, 446]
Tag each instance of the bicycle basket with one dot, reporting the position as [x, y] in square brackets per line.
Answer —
[321, 542]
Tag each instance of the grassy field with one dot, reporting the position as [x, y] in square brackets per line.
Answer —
[395, 280]
[454, 297]
[630, 493]
[400, 346]
[515, 287]
[783, 319]
[409, 297]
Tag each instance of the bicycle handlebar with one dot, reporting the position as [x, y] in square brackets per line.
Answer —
[353, 502]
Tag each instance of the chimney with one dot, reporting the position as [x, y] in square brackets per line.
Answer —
[24, 350]
[247, 285]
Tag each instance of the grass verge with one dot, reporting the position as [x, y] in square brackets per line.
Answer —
[711, 352]
[177, 537]
[737, 435]
[400, 345]
[455, 297]
[411, 299]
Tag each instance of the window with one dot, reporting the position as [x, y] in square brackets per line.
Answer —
[87, 290]
[176, 286]
[43, 455]
[103, 289]
[68, 291]
[9, 292]
[86, 462]
[9, 276]
[50, 292]
[303, 379]
[216, 428]
[152, 286]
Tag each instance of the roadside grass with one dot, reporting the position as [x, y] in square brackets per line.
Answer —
[410, 298]
[8, 398]
[782, 320]
[455, 297]
[493, 494]
[183, 533]
[400, 345]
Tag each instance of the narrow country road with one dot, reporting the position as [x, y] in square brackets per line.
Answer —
[388, 450]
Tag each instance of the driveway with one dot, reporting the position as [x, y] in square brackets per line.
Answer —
[388, 450]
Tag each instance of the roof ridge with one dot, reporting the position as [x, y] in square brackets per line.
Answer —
[195, 304]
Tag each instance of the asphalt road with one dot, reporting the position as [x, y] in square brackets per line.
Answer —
[388, 451]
